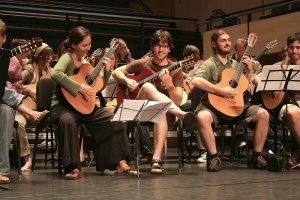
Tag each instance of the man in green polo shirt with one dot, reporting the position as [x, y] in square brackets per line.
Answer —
[206, 79]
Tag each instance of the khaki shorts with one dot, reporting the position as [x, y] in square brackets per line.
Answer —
[283, 110]
[245, 117]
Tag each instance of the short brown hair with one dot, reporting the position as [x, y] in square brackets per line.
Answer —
[189, 50]
[162, 36]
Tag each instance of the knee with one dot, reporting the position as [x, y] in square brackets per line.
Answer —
[204, 117]
[147, 87]
[263, 114]
[293, 114]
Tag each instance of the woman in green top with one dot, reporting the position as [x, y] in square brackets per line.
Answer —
[111, 143]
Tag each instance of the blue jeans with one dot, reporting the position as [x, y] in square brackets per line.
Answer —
[7, 116]
[11, 98]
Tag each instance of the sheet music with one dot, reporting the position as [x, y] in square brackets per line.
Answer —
[149, 111]
[153, 111]
[273, 79]
[110, 90]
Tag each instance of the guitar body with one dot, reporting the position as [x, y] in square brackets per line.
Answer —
[272, 100]
[149, 76]
[124, 93]
[228, 108]
[78, 102]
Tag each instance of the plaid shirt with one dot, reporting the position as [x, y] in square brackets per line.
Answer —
[14, 78]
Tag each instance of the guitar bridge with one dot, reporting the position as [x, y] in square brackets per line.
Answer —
[230, 100]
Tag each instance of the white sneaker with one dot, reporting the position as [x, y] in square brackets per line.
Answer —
[202, 158]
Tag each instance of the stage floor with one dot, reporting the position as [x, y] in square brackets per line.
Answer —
[193, 182]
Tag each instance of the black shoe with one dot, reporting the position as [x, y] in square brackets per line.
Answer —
[259, 163]
[214, 165]
[146, 159]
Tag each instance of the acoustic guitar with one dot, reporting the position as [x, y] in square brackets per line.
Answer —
[88, 75]
[29, 102]
[151, 77]
[272, 100]
[228, 108]
[271, 45]
[187, 87]
[28, 46]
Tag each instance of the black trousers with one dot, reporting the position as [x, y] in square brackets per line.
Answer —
[110, 138]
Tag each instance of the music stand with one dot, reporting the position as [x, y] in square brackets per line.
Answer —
[283, 78]
[140, 111]
[110, 90]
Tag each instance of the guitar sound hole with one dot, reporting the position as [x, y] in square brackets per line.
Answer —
[89, 82]
[233, 84]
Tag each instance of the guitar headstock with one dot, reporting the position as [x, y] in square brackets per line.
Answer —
[97, 53]
[252, 39]
[148, 54]
[190, 60]
[31, 44]
[28, 46]
[114, 44]
[272, 44]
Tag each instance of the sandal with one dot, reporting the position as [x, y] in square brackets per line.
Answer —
[156, 165]
[3, 181]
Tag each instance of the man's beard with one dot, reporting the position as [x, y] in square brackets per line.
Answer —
[223, 52]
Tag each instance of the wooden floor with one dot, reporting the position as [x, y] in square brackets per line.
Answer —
[193, 182]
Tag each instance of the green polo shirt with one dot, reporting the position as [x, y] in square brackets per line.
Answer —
[212, 68]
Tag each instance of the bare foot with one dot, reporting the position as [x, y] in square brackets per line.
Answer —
[4, 179]
[36, 116]
[123, 168]
[73, 175]
[27, 164]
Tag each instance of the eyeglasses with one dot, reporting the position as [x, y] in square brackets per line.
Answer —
[158, 46]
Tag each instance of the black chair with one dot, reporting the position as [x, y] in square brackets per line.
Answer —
[196, 98]
[44, 92]
[276, 11]
[280, 10]
[295, 6]
[229, 21]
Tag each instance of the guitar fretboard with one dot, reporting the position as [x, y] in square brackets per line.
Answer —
[155, 76]
[98, 67]
[240, 68]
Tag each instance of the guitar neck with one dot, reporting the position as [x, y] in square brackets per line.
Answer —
[16, 51]
[260, 54]
[240, 68]
[99, 66]
[155, 76]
